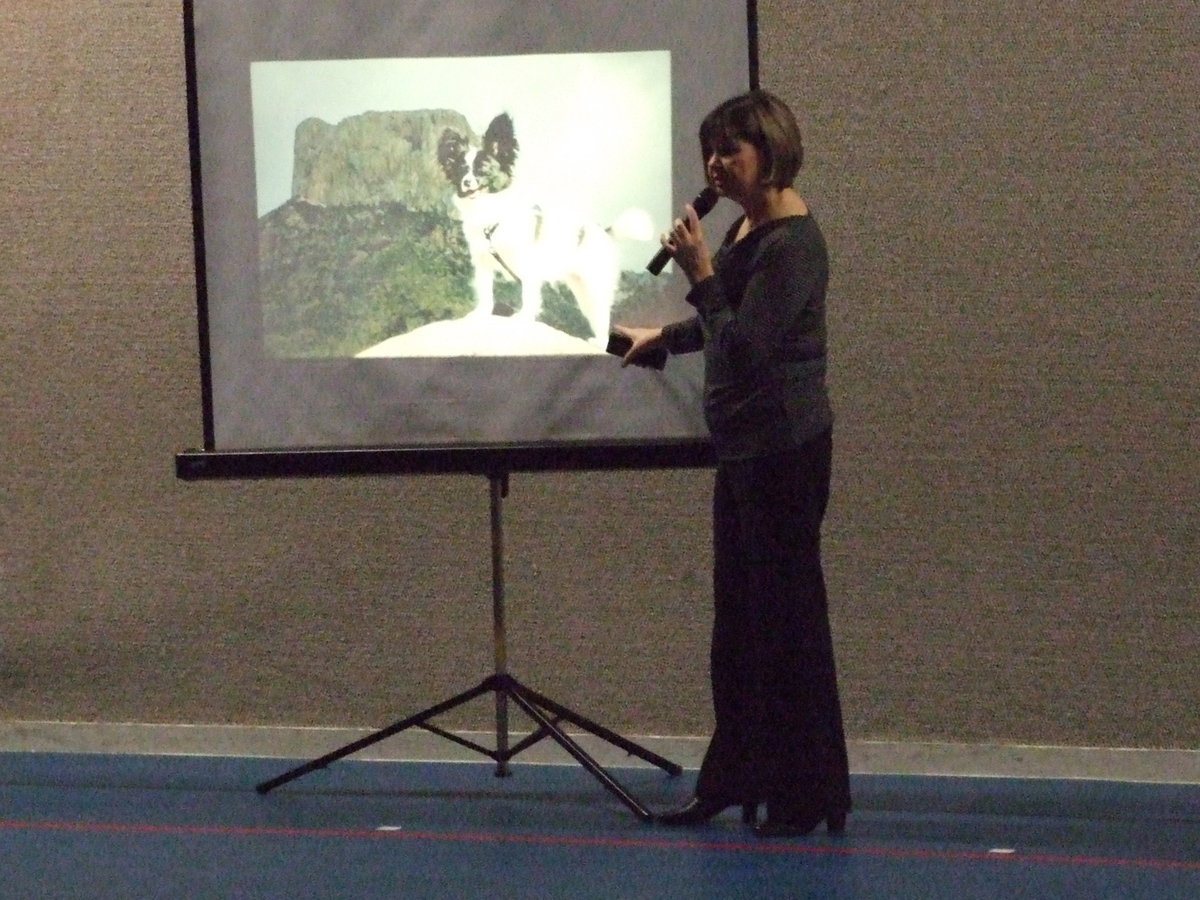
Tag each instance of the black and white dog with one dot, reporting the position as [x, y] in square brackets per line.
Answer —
[514, 238]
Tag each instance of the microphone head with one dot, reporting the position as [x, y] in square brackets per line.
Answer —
[705, 201]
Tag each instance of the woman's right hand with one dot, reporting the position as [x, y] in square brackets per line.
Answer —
[687, 246]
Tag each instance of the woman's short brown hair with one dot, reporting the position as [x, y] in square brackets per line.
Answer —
[762, 119]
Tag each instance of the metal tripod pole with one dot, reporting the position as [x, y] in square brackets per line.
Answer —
[499, 484]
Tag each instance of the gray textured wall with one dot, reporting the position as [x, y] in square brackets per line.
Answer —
[1010, 197]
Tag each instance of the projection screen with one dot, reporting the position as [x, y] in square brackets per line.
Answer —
[416, 223]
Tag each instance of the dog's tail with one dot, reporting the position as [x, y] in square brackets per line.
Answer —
[633, 224]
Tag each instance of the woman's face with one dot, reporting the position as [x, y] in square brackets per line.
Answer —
[734, 169]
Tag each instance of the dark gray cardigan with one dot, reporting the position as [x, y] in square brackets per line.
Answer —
[760, 321]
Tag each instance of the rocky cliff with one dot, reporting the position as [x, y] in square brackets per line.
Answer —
[375, 157]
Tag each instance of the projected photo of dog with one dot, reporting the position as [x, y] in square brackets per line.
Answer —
[514, 236]
[447, 207]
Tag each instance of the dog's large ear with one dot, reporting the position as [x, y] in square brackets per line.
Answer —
[452, 154]
[500, 141]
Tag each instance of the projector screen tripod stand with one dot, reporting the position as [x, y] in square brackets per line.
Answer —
[544, 712]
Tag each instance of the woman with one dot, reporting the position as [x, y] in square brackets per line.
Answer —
[760, 304]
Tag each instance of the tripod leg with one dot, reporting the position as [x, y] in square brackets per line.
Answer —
[375, 737]
[581, 756]
[601, 732]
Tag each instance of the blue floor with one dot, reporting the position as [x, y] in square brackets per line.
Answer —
[193, 827]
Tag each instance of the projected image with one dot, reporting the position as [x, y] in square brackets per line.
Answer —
[482, 206]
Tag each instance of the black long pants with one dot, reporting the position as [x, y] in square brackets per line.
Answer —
[778, 718]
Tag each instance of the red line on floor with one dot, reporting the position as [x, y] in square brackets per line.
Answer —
[394, 833]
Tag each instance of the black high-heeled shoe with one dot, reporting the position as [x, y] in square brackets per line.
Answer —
[794, 823]
[699, 810]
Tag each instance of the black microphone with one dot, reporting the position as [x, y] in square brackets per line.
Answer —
[704, 202]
